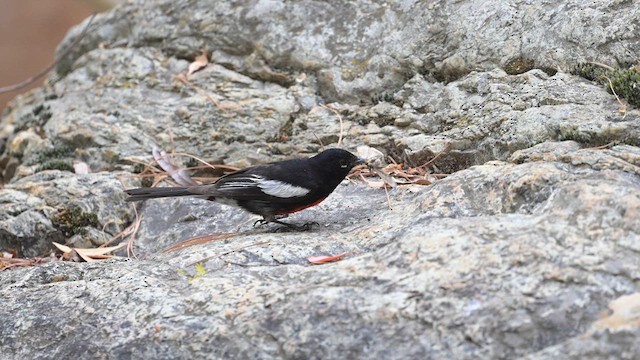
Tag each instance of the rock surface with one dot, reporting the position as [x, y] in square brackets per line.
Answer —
[520, 252]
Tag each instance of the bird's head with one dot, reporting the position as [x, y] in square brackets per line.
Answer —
[336, 161]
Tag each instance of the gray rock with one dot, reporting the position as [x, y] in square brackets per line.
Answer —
[518, 252]
[359, 50]
[84, 210]
[496, 261]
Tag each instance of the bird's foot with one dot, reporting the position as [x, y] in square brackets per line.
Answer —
[260, 222]
[304, 227]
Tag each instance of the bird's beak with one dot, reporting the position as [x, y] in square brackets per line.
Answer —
[360, 161]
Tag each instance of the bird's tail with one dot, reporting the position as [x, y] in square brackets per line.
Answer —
[151, 193]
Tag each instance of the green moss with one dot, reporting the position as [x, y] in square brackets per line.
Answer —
[73, 221]
[232, 139]
[518, 65]
[191, 162]
[625, 82]
[593, 139]
[578, 136]
[145, 181]
[383, 121]
[590, 72]
[450, 73]
[38, 116]
[138, 168]
[463, 121]
[55, 165]
[55, 153]
[382, 97]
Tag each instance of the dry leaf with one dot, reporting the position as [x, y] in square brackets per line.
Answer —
[388, 179]
[422, 182]
[178, 174]
[98, 253]
[200, 62]
[67, 252]
[326, 259]
[375, 184]
[90, 254]
[64, 248]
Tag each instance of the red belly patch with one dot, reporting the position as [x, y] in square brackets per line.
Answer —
[300, 208]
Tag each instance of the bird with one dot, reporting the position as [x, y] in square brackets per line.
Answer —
[272, 190]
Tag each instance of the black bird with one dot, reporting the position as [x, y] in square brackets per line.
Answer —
[271, 190]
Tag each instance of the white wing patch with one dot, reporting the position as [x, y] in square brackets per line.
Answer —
[279, 189]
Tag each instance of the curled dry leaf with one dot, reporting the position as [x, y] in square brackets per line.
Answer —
[200, 62]
[89, 254]
[326, 259]
[178, 174]
[64, 248]
[386, 178]
[375, 162]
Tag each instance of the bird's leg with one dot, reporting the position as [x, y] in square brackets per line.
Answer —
[275, 219]
[268, 219]
[260, 222]
[303, 227]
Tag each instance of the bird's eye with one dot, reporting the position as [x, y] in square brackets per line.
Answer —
[343, 164]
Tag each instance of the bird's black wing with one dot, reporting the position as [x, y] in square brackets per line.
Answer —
[282, 181]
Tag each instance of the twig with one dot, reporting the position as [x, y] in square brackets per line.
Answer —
[601, 147]
[206, 163]
[198, 240]
[604, 66]
[446, 148]
[43, 72]
[388, 197]
[339, 118]
[319, 141]
[229, 252]
[133, 232]
[623, 107]
[183, 79]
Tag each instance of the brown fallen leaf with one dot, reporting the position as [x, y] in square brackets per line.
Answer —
[199, 63]
[177, 173]
[64, 248]
[326, 259]
[8, 263]
[386, 178]
[89, 254]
